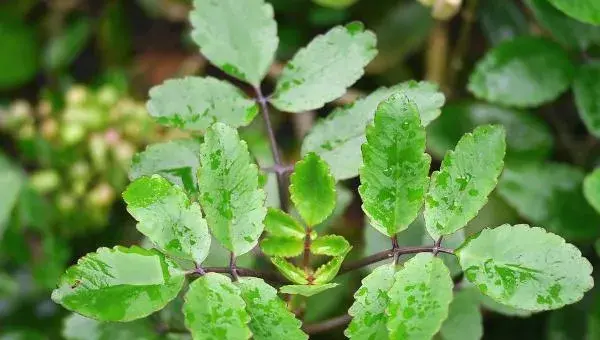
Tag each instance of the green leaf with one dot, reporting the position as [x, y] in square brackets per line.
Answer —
[279, 223]
[194, 103]
[582, 10]
[528, 137]
[119, 284]
[525, 267]
[11, 181]
[337, 4]
[290, 271]
[337, 137]
[177, 160]
[312, 189]
[269, 317]
[465, 179]
[464, 320]
[591, 189]
[63, 48]
[168, 218]
[19, 59]
[229, 191]
[306, 290]
[77, 327]
[395, 173]
[214, 309]
[283, 246]
[550, 195]
[238, 37]
[330, 245]
[328, 271]
[419, 298]
[321, 72]
[586, 88]
[369, 320]
[502, 21]
[523, 72]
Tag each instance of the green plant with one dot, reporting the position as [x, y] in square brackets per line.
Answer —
[183, 189]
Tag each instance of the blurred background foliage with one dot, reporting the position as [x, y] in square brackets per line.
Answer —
[74, 75]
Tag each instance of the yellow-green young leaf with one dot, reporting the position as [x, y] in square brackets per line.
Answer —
[328, 271]
[465, 179]
[77, 327]
[582, 10]
[523, 72]
[419, 298]
[290, 271]
[591, 189]
[337, 137]
[395, 173]
[239, 37]
[194, 103]
[306, 290]
[369, 320]
[525, 267]
[464, 320]
[586, 89]
[330, 245]
[269, 317]
[279, 223]
[229, 192]
[321, 72]
[168, 218]
[214, 309]
[119, 284]
[312, 189]
[283, 246]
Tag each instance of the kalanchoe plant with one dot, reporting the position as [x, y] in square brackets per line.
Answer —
[185, 190]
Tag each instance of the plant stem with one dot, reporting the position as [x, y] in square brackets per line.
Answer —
[395, 247]
[386, 254]
[306, 257]
[437, 245]
[436, 55]
[233, 268]
[327, 325]
[458, 54]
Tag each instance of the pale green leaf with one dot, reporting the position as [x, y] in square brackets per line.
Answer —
[279, 223]
[321, 72]
[328, 271]
[395, 172]
[582, 10]
[306, 290]
[194, 103]
[119, 284]
[77, 327]
[214, 309]
[239, 37]
[168, 218]
[525, 267]
[312, 189]
[591, 189]
[330, 245]
[586, 88]
[419, 298]
[269, 317]
[337, 137]
[492, 305]
[466, 177]
[523, 72]
[464, 320]
[290, 271]
[369, 320]
[229, 191]
[283, 246]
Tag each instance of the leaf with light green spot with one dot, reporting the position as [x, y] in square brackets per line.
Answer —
[523, 72]
[168, 218]
[269, 317]
[465, 179]
[290, 271]
[119, 284]
[337, 137]
[321, 72]
[238, 37]
[283, 246]
[582, 10]
[369, 320]
[330, 245]
[229, 192]
[419, 298]
[395, 173]
[214, 309]
[306, 290]
[464, 320]
[279, 223]
[312, 189]
[525, 267]
[194, 103]
[328, 271]
[77, 327]
[586, 88]
[591, 189]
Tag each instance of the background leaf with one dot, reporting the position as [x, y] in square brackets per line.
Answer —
[586, 88]
[464, 318]
[77, 327]
[20, 53]
[11, 181]
[591, 189]
[582, 10]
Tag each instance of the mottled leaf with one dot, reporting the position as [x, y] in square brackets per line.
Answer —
[290, 271]
[306, 290]
[582, 10]
[464, 320]
[591, 189]
[279, 223]
[283, 246]
[330, 245]
[586, 88]
[77, 327]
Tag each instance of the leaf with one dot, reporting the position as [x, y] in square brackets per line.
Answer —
[328, 271]
[337, 137]
[229, 191]
[279, 223]
[419, 298]
[523, 72]
[176, 160]
[306, 290]
[312, 189]
[214, 309]
[550, 196]
[194, 103]
[119, 284]
[464, 320]
[290, 271]
[283, 246]
[591, 189]
[528, 137]
[330, 245]
[19, 59]
[11, 181]
[371, 300]
[465, 179]
[337, 4]
[395, 172]
[77, 327]
[240, 38]
[586, 88]
[502, 21]
[492, 305]
[525, 267]
[269, 316]
[321, 72]
[168, 218]
[583, 10]
[63, 48]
